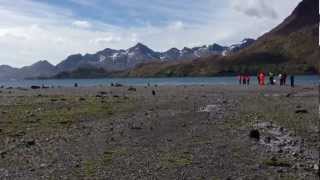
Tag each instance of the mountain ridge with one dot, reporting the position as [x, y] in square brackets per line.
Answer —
[114, 60]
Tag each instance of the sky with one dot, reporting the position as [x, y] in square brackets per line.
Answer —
[33, 30]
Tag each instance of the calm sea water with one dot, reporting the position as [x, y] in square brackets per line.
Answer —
[300, 80]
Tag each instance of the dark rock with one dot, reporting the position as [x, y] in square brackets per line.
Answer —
[267, 140]
[82, 99]
[103, 93]
[75, 84]
[281, 129]
[136, 126]
[3, 154]
[254, 134]
[132, 89]
[30, 142]
[118, 85]
[153, 92]
[35, 87]
[301, 111]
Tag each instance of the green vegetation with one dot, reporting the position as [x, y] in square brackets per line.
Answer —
[109, 156]
[276, 163]
[56, 112]
[174, 160]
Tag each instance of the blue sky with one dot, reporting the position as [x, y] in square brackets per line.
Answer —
[32, 30]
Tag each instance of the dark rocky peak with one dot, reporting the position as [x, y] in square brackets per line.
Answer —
[173, 50]
[216, 47]
[42, 63]
[186, 50]
[108, 51]
[139, 47]
[304, 15]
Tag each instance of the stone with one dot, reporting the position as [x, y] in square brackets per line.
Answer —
[267, 140]
[35, 87]
[118, 85]
[132, 89]
[301, 111]
[43, 165]
[254, 134]
[136, 126]
[30, 142]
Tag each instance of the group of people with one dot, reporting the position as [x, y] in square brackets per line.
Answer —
[245, 79]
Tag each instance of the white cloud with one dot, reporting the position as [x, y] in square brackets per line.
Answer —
[82, 24]
[256, 8]
[31, 31]
[107, 40]
[176, 26]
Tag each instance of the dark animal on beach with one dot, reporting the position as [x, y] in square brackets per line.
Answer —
[153, 92]
[35, 87]
[75, 84]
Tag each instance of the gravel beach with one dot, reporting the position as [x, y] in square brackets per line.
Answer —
[160, 132]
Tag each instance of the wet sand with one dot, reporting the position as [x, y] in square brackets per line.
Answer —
[177, 132]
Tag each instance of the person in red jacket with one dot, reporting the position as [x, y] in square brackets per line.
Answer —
[262, 79]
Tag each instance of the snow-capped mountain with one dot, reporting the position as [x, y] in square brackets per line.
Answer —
[243, 44]
[111, 59]
[117, 60]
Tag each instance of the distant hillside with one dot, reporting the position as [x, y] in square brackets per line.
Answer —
[291, 47]
[38, 69]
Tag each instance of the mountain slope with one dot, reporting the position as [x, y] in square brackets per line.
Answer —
[293, 43]
[291, 47]
[38, 69]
